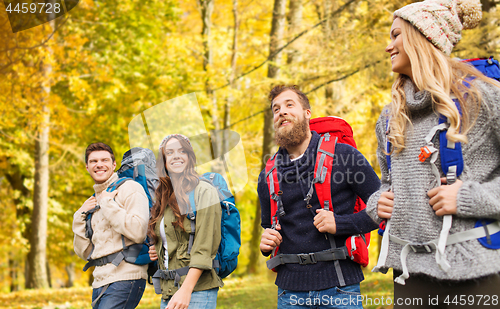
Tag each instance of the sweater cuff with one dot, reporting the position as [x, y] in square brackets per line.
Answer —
[268, 253]
[465, 201]
[201, 262]
[372, 204]
[342, 223]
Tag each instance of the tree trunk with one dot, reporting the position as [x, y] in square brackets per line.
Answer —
[332, 92]
[16, 180]
[13, 271]
[206, 8]
[37, 275]
[91, 275]
[70, 271]
[294, 21]
[277, 30]
[49, 274]
[230, 98]
[487, 5]
[38, 238]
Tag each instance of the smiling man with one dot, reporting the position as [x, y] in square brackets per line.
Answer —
[302, 280]
[118, 216]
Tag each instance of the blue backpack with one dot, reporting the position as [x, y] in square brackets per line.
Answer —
[452, 162]
[226, 260]
[138, 164]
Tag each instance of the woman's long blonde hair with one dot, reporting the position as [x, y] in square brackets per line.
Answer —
[437, 73]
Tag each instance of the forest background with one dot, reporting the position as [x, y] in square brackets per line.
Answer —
[83, 77]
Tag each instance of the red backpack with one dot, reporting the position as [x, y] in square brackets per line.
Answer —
[331, 130]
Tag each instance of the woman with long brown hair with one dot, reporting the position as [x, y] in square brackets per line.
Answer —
[188, 279]
[431, 206]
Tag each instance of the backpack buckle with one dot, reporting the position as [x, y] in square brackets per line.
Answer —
[421, 248]
[307, 258]
[425, 153]
[327, 137]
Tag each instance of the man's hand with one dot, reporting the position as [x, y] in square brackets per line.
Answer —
[90, 203]
[385, 205]
[324, 221]
[107, 195]
[153, 256]
[443, 199]
[270, 239]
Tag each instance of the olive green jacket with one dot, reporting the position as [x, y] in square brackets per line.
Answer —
[206, 241]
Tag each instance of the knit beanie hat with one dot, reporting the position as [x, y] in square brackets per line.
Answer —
[178, 136]
[442, 21]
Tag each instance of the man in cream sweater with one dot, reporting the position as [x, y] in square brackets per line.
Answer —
[124, 211]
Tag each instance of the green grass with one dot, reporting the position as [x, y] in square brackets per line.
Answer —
[238, 293]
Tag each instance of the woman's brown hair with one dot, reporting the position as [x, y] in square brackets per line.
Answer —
[173, 195]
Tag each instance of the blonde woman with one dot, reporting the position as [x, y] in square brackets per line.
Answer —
[424, 208]
[194, 282]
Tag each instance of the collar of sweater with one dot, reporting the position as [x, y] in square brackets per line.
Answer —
[294, 168]
[416, 101]
[99, 187]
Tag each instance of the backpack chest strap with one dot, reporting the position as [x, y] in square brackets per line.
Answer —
[434, 245]
[129, 254]
[174, 274]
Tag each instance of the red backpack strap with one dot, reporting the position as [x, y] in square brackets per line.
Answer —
[274, 190]
[322, 184]
[323, 171]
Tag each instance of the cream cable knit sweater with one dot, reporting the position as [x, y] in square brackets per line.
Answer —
[479, 196]
[127, 215]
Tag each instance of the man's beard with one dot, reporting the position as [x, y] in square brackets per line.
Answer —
[293, 137]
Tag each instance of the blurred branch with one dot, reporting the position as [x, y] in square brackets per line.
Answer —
[338, 11]
[344, 77]
[314, 89]
[17, 47]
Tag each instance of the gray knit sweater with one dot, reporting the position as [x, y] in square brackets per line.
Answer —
[479, 196]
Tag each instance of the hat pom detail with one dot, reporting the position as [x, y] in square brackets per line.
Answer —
[469, 12]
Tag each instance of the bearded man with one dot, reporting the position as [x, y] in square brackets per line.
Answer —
[302, 231]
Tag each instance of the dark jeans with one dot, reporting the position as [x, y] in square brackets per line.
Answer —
[346, 297]
[120, 294]
[421, 291]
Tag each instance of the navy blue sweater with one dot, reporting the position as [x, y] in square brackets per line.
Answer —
[351, 175]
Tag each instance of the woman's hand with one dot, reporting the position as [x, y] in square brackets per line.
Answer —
[182, 297]
[180, 300]
[385, 205]
[153, 256]
[443, 199]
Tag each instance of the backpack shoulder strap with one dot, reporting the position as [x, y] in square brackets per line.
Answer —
[322, 183]
[388, 143]
[452, 162]
[323, 171]
[88, 219]
[192, 218]
[118, 183]
[274, 190]
[192, 212]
